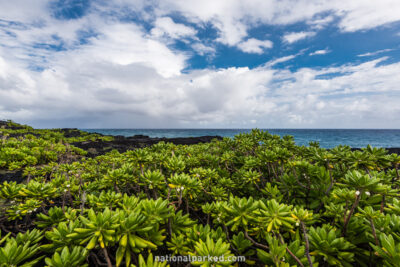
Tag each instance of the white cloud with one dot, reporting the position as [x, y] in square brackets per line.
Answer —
[124, 76]
[320, 52]
[23, 11]
[319, 23]
[279, 60]
[255, 46]
[105, 91]
[273, 62]
[361, 15]
[233, 18]
[375, 53]
[112, 41]
[166, 26]
[296, 36]
[125, 44]
[224, 15]
[203, 49]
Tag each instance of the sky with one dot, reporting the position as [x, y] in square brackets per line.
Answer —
[200, 64]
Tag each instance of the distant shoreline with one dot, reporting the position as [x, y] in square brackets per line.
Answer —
[327, 138]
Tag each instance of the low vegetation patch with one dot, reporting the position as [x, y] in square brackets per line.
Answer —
[255, 196]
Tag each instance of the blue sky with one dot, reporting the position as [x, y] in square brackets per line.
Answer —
[201, 64]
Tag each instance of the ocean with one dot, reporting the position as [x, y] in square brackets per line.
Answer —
[327, 138]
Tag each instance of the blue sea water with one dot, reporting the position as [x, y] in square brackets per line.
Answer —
[326, 137]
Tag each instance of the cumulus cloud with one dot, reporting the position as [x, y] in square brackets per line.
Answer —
[233, 18]
[92, 92]
[125, 44]
[103, 71]
[91, 89]
[253, 45]
[296, 36]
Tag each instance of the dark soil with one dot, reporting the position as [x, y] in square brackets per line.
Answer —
[390, 150]
[394, 150]
[70, 132]
[11, 176]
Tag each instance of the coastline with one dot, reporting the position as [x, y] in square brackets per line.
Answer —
[123, 143]
[120, 143]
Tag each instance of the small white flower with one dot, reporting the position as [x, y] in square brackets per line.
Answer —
[368, 193]
[18, 212]
[35, 209]
[283, 258]
[65, 190]
[68, 185]
[182, 188]
[42, 188]
[357, 192]
[178, 189]
[297, 224]
[12, 201]
[29, 211]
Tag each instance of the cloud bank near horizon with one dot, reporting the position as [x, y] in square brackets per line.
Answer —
[265, 64]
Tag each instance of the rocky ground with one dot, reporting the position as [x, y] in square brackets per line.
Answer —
[122, 144]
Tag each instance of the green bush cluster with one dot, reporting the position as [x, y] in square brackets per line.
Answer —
[255, 195]
[26, 146]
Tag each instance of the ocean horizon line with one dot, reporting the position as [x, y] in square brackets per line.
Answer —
[83, 129]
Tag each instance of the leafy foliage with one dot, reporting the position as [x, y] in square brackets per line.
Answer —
[255, 195]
